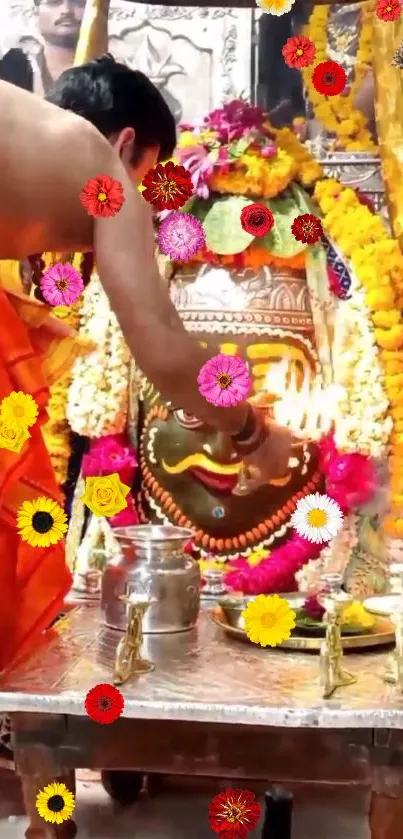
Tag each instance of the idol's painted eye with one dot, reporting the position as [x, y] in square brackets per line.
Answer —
[187, 420]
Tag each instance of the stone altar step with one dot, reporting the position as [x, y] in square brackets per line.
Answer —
[181, 809]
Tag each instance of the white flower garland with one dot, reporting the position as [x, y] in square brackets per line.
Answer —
[98, 394]
[334, 557]
[362, 424]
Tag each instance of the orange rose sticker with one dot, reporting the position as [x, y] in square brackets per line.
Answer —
[105, 496]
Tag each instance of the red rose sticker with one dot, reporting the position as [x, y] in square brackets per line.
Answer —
[257, 219]
[329, 78]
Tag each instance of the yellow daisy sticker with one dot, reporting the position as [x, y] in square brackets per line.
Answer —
[268, 620]
[55, 803]
[41, 522]
[19, 409]
[275, 7]
[105, 496]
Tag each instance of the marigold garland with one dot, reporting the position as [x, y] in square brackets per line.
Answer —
[253, 257]
[337, 114]
[253, 177]
[377, 263]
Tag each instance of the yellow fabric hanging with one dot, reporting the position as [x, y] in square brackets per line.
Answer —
[389, 116]
[93, 39]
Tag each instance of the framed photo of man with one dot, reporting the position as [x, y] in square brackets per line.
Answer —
[197, 56]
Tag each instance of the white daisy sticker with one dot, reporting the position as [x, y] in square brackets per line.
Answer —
[275, 7]
[317, 518]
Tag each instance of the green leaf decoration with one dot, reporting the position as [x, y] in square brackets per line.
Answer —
[304, 202]
[239, 147]
[280, 241]
[222, 226]
[201, 207]
[187, 208]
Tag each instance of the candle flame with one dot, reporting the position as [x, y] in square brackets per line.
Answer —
[308, 410]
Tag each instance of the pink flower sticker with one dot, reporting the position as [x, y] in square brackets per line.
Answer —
[224, 380]
[61, 285]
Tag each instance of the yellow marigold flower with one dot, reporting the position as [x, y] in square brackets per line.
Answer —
[380, 299]
[347, 127]
[268, 620]
[309, 172]
[394, 526]
[256, 557]
[393, 367]
[186, 138]
[19, 408]
[390, 339]
[356, 615]
[327, 189]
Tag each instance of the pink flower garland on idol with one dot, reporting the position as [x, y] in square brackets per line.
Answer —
[350, 481]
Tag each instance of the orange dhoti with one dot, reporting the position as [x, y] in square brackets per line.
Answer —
[33, 581]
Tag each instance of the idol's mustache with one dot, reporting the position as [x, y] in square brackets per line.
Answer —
[201, 461]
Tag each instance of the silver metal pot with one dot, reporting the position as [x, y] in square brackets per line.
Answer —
[153, 562]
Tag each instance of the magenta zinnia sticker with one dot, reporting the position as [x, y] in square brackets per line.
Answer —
[181, 236]
[224, 380]
[61, 285]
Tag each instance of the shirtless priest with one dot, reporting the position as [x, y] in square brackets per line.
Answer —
[46, 157]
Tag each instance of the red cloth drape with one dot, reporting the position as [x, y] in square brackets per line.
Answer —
[33, 581]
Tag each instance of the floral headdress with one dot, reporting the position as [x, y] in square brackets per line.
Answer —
[236, 153]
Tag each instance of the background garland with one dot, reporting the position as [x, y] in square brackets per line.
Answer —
[337, 113]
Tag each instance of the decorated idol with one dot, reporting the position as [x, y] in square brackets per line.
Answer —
[277, 266]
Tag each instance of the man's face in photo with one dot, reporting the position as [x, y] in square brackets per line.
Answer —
[59, 21]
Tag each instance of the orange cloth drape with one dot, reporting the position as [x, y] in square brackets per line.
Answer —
[33, 581]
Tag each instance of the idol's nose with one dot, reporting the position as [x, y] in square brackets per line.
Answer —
[221, 449]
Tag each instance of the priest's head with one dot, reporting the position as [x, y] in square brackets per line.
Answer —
[124, 105]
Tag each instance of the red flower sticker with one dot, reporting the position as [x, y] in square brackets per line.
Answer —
[167, 186]
[329, 78]
[299, 51]
[388, 9]
[104, 704]
[307, 228]
[102, 196]
[257, 219]
[233, 813]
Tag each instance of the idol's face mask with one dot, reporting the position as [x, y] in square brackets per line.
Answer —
[188, 476]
